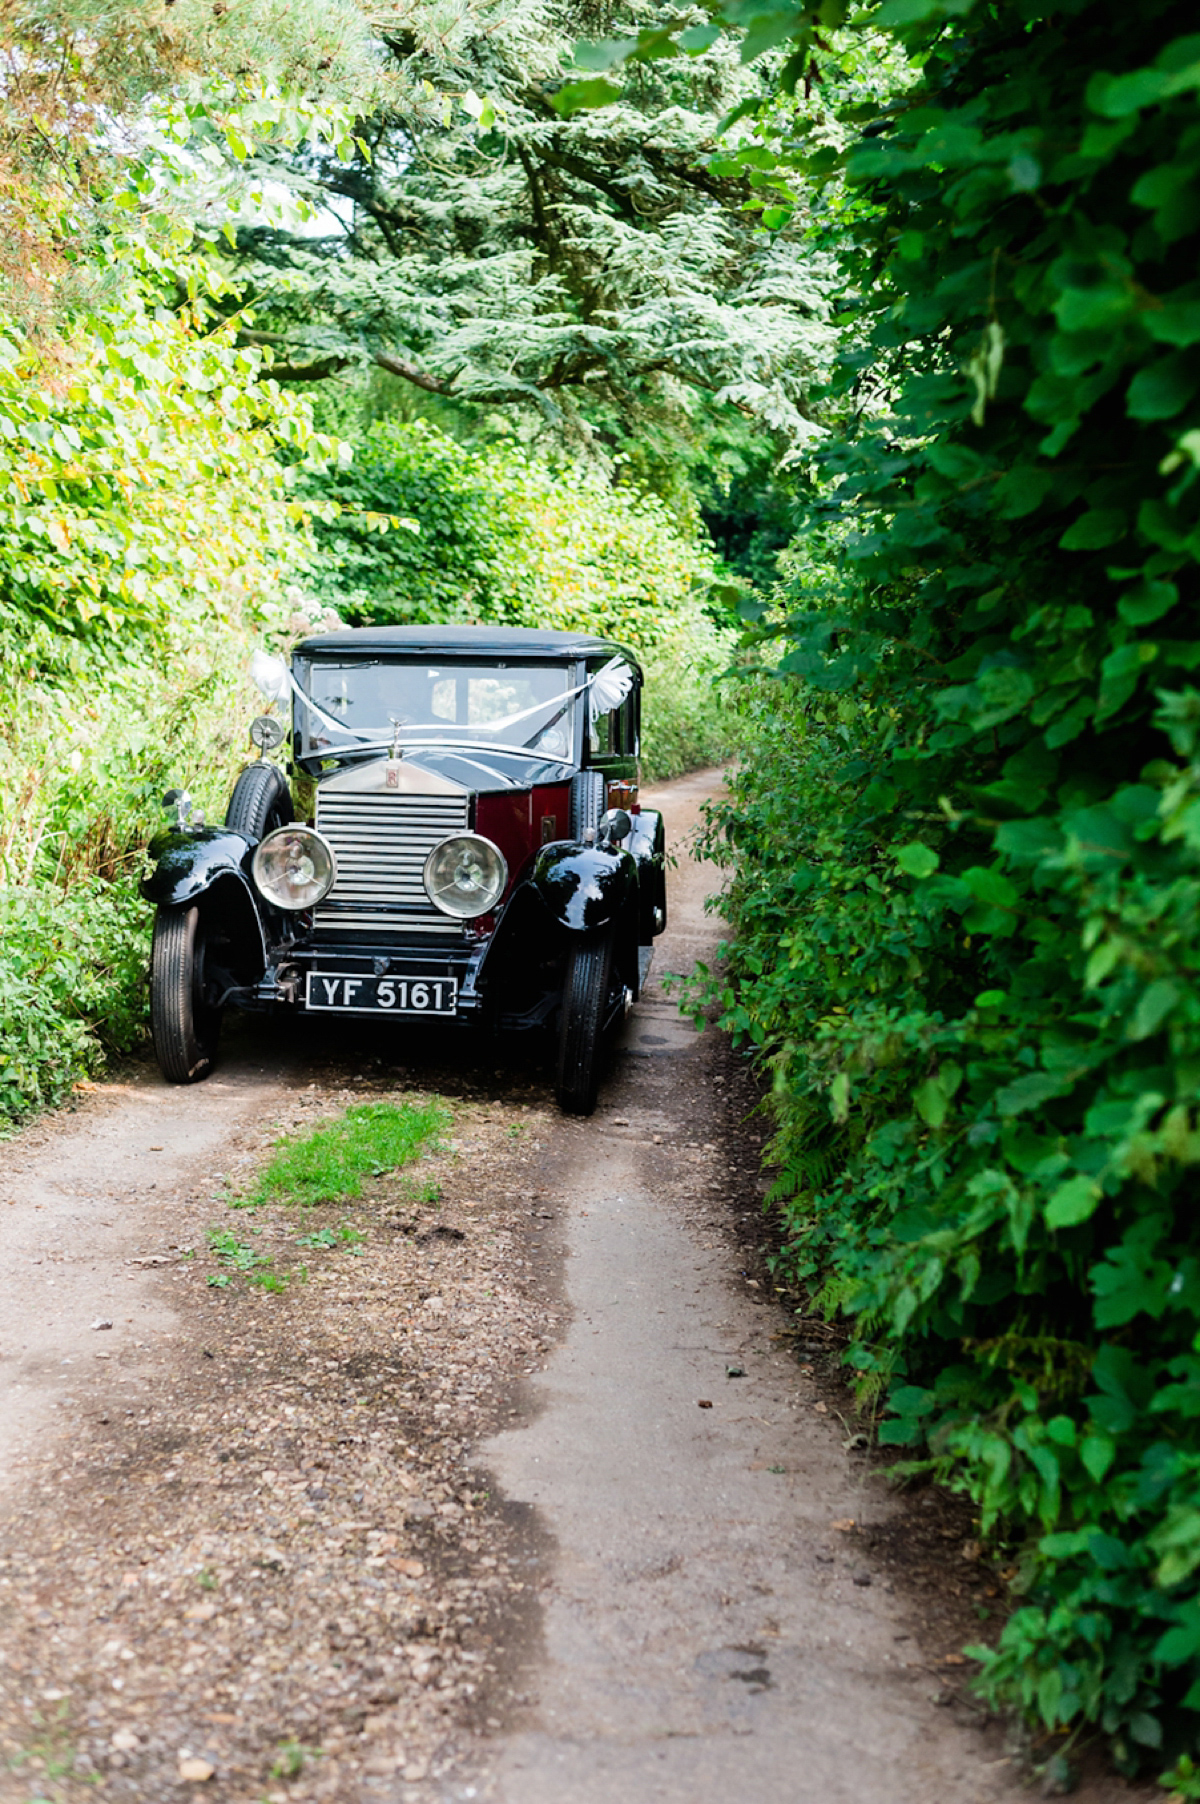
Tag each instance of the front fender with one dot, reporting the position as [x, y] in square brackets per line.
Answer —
[212, 863]
[648, 844]
[186, 864]
[583, 887]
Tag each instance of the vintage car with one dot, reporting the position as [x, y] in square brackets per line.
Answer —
[461, 841]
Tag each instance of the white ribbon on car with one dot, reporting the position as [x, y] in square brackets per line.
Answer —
[608, 686]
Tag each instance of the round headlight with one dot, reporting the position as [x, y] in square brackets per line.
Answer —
[465, 875]
[294, 867]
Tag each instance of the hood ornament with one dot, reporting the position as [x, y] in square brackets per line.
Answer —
[391, 776]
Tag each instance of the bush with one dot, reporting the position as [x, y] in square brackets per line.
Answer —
[502, 537]
[689, 717]
[146, 529]
[966, 841]
[83, 769]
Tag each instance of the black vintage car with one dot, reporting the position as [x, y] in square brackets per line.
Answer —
[461, 841]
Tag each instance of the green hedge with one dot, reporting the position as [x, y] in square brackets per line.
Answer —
[502, 536]
[967, 843]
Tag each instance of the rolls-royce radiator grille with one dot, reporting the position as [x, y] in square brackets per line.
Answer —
[381, 843]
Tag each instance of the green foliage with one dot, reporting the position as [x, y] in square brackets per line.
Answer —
[72, 175]
[71, 968]
[502, 537]
[965, 845]
[334, 1239]
[137, 484]
[146, 523]
[238, 1258]
[689, 718]
[593, 275]
[330, 1161]
[292, 1758]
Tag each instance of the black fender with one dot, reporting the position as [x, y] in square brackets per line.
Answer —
[210, 864]
[648, 847]
[583, 888]
[567, 891]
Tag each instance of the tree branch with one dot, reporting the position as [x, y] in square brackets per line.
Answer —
[583, 172]
[396, 366]
[304, 372]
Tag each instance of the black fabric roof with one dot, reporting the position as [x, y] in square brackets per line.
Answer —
[517, 641]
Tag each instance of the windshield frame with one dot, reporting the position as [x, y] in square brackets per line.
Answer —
[313, 758]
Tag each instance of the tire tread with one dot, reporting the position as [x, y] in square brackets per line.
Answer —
[587, 801]
[585, 996]
[261, 801]
[184, 1046]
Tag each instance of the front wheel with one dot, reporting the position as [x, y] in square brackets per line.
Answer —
[261, 801]
[586, 987]
[185, 1029]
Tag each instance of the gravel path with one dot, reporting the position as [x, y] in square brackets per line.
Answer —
[531, 1499]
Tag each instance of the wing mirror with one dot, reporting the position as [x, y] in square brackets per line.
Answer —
[178, 802]
[615, 825]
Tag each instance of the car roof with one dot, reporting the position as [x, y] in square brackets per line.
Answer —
[528, 642]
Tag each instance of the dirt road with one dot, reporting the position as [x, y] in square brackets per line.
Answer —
[528, 1495]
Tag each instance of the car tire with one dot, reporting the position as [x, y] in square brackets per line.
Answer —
[185, 1031]
[587, 801]
[261, 801]
[586, 986]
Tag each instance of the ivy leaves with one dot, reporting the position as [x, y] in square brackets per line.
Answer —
[986, 1034]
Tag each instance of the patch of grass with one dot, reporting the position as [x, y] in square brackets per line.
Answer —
[234, 1252]
[428, 1191]
[236, 1256]
[345, 1237]
[330, 1161]
[276, 1281]
[54, 1750]
[292, 1758]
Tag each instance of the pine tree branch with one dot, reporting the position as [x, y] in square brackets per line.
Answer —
[408, 372]
[584, 172]
[318, 371]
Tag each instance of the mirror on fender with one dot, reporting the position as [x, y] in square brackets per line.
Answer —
[178, 804]
[615, 825]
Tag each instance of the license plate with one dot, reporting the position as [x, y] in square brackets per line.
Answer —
[391, 995]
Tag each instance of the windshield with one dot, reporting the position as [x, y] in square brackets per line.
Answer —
[368, 701]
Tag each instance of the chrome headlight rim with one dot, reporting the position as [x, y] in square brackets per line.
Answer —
[477, 905]
[259, 868]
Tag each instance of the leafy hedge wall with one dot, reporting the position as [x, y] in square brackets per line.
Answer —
[502, 537]
[147, 527]
[967, 848]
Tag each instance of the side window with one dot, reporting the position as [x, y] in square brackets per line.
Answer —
[602, 735]
[615, 734]
[629, 713]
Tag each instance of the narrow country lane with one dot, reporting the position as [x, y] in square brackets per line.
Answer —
[534, 1501]
[712, 1625]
